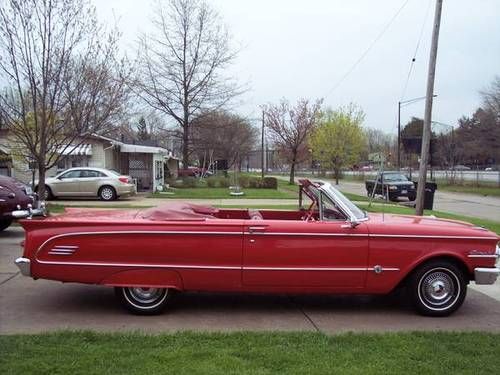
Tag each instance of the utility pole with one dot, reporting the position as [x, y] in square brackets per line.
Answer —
[399, 135]
[426, 135]
[263, 151]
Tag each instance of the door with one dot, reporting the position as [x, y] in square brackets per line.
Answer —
[305, 254]
[89, 182]
[67, 184]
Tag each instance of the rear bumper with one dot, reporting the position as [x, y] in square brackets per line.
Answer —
[24, 265]
[126, 189]
[486, 276]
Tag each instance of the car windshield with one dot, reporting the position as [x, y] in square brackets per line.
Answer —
[395, 177]
[343, 201]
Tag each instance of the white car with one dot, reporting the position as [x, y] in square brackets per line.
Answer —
[89, 182]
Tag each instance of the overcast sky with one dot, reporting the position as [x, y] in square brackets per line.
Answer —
[296, 49]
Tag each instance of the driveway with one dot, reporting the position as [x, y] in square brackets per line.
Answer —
[28, 306]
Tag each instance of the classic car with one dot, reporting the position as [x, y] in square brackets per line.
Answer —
[329, 246]
[106, 184]
[14, 195]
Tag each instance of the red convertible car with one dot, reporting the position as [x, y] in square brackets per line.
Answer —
[331, 246]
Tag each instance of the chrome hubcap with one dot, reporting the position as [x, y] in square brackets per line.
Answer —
[107, 193]
[437, 288]
[146, 295]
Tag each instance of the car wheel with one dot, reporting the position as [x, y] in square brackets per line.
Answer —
[438, 288]
[144, 301]
[411, 198]
[5, 223]
[107, 193]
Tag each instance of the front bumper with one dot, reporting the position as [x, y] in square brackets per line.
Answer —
[24, 265]
[486, 276]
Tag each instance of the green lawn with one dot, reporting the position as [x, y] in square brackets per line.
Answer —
[223, 193]
[250, 353]
[493, 191]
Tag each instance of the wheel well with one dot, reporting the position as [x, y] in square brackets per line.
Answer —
[448, 258]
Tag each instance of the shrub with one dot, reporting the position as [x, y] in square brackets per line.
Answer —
[244, 181]
[255, 182]
[224, 182]
[270, 183]
[212, 181]
[189, 182]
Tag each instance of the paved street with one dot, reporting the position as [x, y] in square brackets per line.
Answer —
[34, 306]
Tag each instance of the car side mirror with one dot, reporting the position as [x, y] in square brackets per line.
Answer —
[350, 224]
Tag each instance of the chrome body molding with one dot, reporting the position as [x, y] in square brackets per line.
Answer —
[482, 256]
[24, 265]
[213, 267]
[486, 276]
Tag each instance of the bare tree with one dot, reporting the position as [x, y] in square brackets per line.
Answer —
[181, 66]
[222, 135]
[491, 97]
[290, 127]
[63, 81]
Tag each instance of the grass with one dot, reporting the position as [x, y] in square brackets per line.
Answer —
[492, 191]
[250, 353]
[223, 193]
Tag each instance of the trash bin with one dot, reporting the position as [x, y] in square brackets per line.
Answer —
[430, 189]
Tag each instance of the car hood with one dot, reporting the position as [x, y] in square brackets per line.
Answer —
[425, 225]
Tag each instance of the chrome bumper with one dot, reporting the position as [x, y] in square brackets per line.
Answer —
[486, 276]
[24, 265]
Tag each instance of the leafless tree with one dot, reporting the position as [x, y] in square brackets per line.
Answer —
[491, 97]
[63, 81]
[290, 127]
[222, 135]
[181, 67]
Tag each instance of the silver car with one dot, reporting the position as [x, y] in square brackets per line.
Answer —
[89, 182]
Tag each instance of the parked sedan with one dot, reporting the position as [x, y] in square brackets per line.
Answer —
[89, 182]
[329, 246]
[14, 195]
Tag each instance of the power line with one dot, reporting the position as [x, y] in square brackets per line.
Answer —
[386, 27]
[416, 50]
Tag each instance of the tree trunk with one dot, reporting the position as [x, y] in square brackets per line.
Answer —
[337, 176]
[292, 172]
[41, 181]
[185, 142]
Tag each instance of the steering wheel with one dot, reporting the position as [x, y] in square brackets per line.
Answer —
[310, 212]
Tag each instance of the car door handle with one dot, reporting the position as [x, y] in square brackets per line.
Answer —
[257, 229]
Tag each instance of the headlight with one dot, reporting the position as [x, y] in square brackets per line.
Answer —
[393, 188]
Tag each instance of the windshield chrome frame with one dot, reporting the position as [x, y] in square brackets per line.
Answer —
[345, 210]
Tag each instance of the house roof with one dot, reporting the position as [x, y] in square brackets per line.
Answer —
[133, 148]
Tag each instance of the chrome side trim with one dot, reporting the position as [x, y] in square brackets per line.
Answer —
[482, 256]
[134, 232]
[104, 264]
[24, 265]
[187, 266]
[308, 234]
[431, 236]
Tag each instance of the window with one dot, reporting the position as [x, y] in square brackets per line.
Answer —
[91, 174]
[70, 174]
[329, 209]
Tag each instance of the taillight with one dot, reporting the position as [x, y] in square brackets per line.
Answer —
[125, 180]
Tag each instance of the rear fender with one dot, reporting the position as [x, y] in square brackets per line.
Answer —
[150, 278]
